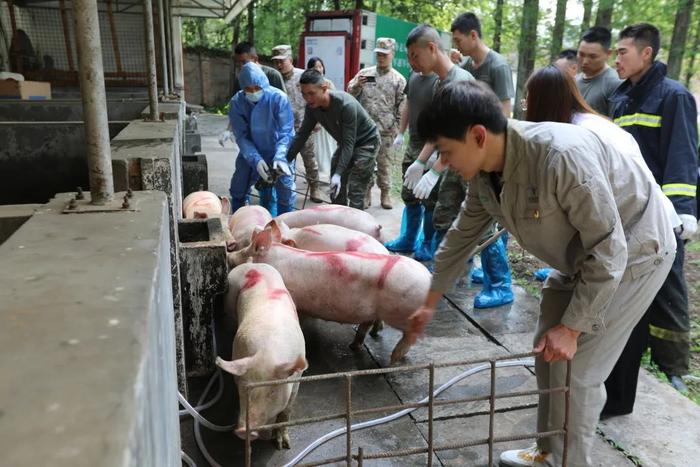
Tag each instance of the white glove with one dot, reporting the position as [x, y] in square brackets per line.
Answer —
[689, 227]
[398, 141]
[281, 167]
[426, 184]
[223, 137]
[263, 170]
[432, 160]
[413, 174]
[335, 186]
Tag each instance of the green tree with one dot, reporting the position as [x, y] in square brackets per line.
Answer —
[694, 48]
[498, 26]
[605, 11]
[587, 12]
[678, 39]
[558, 30]
[526, 50]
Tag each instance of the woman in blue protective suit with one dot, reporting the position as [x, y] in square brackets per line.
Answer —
[262, 120]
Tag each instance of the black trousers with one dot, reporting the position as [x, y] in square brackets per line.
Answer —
[665, 329]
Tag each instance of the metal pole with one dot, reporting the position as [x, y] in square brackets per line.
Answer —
[169, 43]
[92, 90]
[163, 54]
[150, 59]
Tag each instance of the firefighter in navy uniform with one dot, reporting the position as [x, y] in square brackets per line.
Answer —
[661, 115]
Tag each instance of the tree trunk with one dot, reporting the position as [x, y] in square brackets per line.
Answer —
[358, 4]
[201, 33]
[678, 39]
[251, 22]
[498, 26]
[690, 70]
[234, 42]
[587, 11]
[526, 48]
[605, 11]
[558, 30]
[336, 4]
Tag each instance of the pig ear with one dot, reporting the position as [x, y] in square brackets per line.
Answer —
[236, 367]
[286, 370]
[225, 205]
[289, 242]
[262, 240]
[275, 231]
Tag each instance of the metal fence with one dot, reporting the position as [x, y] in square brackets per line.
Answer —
[349, 414]
[37, 39]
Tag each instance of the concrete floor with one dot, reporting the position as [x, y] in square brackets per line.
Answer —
[457, 333]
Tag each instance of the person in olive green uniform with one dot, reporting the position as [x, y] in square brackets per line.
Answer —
[349, 124]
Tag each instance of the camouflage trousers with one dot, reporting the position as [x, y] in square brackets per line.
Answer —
[451, 193]
[354, 182]
[308, 155]
[407, 196]
[385, 160]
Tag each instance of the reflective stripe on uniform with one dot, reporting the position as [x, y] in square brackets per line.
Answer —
[679, 189]
[649, 120]
[665, 334]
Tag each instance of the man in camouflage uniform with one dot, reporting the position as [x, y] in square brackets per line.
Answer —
[380, 90]
[282, 59]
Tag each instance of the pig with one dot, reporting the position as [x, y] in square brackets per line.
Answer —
[346, 287]
[343, 216]
[204, 205]
[268, 345]
[243, 222]
[325, 237]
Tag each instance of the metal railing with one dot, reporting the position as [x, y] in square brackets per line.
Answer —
[349, 414]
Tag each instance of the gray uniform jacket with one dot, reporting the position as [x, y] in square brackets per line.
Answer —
[575, 203]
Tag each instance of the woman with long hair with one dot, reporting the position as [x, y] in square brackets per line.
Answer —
[324, 143]
[553, 96]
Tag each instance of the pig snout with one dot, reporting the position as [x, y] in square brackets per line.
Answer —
[240, 432]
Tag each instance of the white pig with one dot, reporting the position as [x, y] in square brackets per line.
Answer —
[244, 221]
[346, 287]
[325, 237]
[343, 216]
[268, 345]
[204, 205]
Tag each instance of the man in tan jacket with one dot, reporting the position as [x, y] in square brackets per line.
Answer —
[580, 206]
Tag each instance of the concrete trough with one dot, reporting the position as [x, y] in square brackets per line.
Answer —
[203, 273]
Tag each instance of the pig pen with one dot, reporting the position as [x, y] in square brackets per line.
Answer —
[457, 333]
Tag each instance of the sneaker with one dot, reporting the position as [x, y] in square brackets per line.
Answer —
[524, 457]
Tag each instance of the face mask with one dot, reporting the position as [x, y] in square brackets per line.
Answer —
[254, 96]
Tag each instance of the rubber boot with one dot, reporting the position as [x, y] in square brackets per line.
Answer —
[497, 281]
[268, 200]
[386, 200]
[426, 250]
[477, 275]
[315, 192]
[410, 223]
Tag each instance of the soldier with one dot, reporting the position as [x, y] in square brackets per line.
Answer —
[380, 91]
[597, 81]
[282, 59]
[349, 124]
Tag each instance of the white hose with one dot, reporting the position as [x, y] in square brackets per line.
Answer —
[187, 459]
[333, 434]
[392, 417]
[199, 408]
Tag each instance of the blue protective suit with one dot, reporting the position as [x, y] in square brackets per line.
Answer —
[264, 131]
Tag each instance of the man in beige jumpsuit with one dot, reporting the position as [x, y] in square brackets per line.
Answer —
[580, 206]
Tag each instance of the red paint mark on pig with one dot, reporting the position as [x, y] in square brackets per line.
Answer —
[252, 278]
[336, 265]
[312, 231]
[355, 243]
[390, 262]
[276, 294]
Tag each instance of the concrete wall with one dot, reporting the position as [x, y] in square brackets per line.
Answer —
[42, 149]
[87, 352]
[207, 79]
